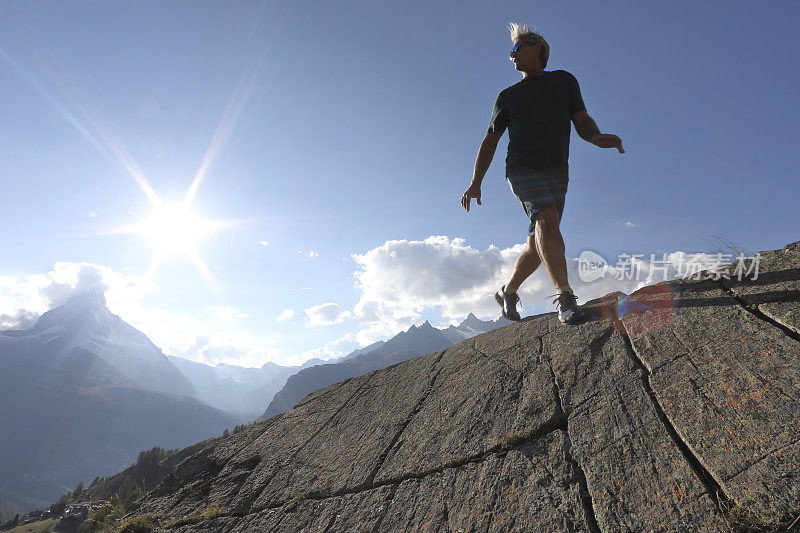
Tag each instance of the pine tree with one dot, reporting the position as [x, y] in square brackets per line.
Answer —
[77, 492]
[126, 488]
[154, 455]
[61, 504]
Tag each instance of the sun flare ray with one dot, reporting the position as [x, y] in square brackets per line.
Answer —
[172, 228]
[204, 271]
[233, 111]
[154, 262]
[92, 130]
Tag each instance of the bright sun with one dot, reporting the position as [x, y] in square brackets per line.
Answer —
[174, 228]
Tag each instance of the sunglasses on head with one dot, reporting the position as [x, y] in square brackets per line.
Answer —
[516, 46]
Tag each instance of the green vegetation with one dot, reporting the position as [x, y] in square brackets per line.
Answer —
[111, 517]
[183, 521]
[40, 526]
[742, 520]
[215, 511]
[155, 455]
[211, 512]
[108, 518]
[77, 492]
[139, 524]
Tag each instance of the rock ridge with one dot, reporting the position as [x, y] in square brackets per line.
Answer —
[670, 409]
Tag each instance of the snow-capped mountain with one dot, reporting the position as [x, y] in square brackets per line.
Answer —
[81, 393]
[84, 322]
[417, 340]
[472, 326]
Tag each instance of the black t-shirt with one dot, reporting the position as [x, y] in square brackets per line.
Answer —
[537, 112]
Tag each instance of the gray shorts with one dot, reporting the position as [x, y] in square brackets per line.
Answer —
[535, 189]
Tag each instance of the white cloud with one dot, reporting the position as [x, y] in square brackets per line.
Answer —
[20, 319]
[332, 349]
[398, 282]
[225, 313]
[401, 279]
[32, 295]
[326, 314]
[286, 314]
[223, 346]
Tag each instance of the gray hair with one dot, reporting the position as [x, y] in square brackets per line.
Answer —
[521, 32]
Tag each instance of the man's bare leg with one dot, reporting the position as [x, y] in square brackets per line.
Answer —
[545, 246]
[550, 245]
[527, 262]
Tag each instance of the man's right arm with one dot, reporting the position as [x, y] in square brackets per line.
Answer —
[485, 155]
[484, 159]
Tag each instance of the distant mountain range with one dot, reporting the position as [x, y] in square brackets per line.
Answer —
[245, 391]
[418, 340]
[236, 389]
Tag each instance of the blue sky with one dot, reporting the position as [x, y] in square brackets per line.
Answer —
[335, 129]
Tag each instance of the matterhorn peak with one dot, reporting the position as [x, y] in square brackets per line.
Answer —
[95, 296]
[85, 300]
[82, 310]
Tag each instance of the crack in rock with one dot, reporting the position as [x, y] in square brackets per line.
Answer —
[499, 450]
[385, 508]
[217, 468]
[586, 496]
[712, 485]
[382, 457]
[330, 523]
[287, 461]
[758, 313]
[483, 354]
[764, 456]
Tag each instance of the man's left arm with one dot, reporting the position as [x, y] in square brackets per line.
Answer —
[588, 131]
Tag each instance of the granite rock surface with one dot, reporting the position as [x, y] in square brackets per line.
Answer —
[675, 408]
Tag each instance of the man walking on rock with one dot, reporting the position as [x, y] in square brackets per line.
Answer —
[537, 112]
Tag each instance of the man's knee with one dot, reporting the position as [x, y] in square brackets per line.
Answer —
[547, 218]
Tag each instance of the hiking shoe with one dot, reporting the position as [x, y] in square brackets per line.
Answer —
[568, 310]
[508, 303]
